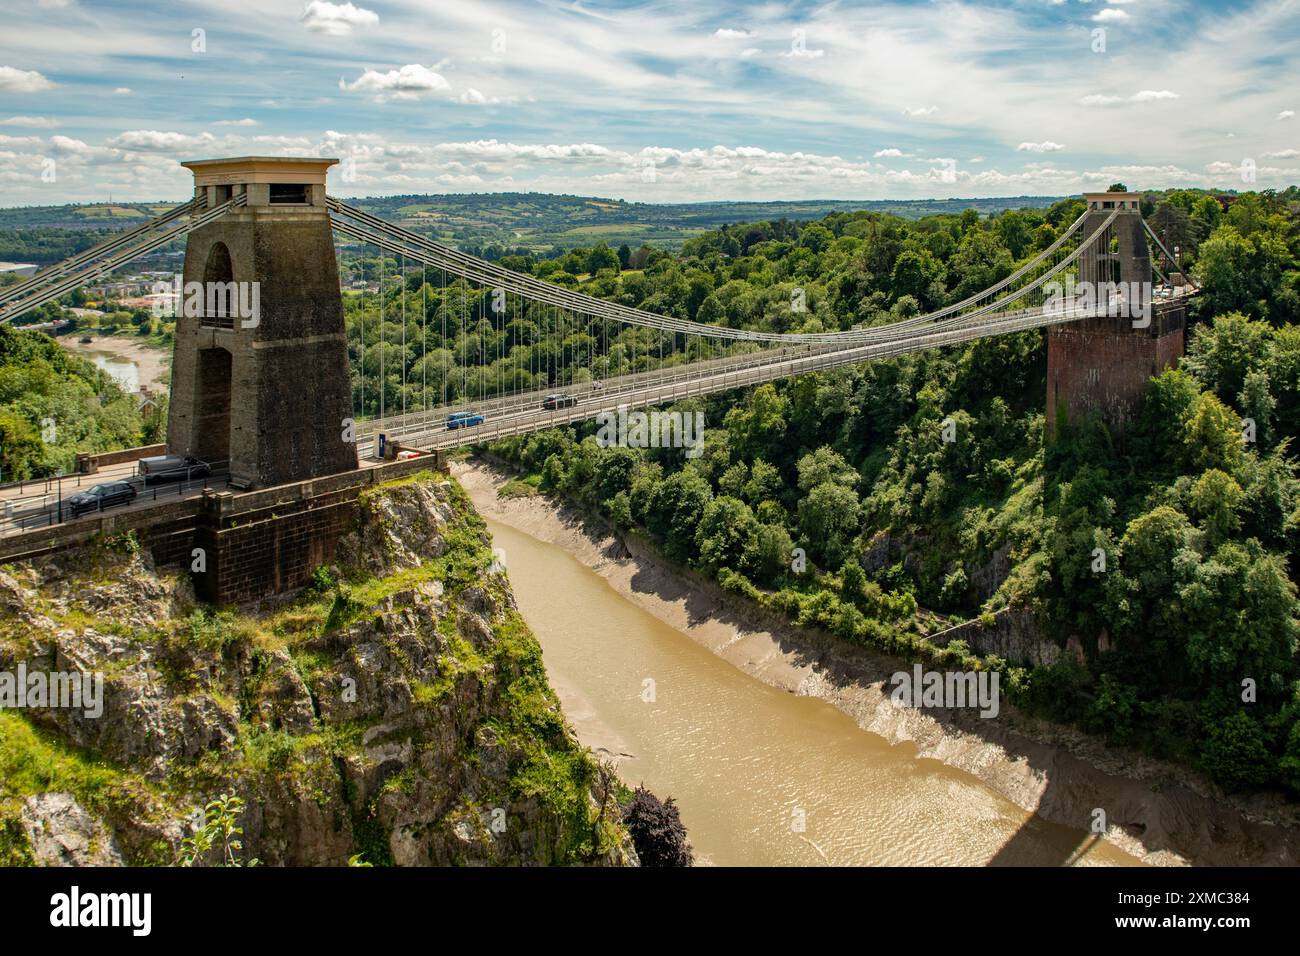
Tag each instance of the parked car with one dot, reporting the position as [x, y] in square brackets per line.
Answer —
[463, 419]
[172, 468]
[101, 496]
[559, 401]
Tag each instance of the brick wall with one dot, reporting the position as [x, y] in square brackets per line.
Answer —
[1105, 364]
[261, 554]
[85, 463]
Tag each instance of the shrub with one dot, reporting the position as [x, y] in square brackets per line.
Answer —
[322, 580]
[657, 831]
[1234, 753]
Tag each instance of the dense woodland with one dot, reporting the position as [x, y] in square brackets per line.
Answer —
[902, 531]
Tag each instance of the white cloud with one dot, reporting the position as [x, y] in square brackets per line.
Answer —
[14, 80]
[152, 140]
[1100, 99]
[1141, 96]
[1046, 146]
[409, 82]
[1148, 96]
[473, 97]
[920, 110]
[1283, 154]
[246, 121]
[122, 91]
[726, 33]
[1286, 114]
[1110, 15]
[336, 19]
[889, 153]
[35, 122]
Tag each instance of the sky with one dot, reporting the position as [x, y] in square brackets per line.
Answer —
[653, 101]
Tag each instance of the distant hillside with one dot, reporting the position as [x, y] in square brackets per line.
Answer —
[536, 221]
[540, 221]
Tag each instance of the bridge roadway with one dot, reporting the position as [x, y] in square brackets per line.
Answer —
[522, 412]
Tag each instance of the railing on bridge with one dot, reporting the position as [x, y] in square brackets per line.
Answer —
[51, 505]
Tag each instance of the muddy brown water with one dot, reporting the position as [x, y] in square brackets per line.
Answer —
[762, 777]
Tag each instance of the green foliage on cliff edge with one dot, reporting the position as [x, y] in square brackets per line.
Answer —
[54, 405]
[547, 765]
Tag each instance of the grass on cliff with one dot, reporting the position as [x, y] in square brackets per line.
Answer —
[548, 765]
[34, 761]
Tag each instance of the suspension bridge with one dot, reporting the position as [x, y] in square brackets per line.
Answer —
[293, 393]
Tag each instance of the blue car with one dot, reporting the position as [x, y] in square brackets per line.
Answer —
[463, 419]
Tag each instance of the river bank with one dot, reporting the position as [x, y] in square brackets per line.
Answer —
[1160, 813]
[113, 352]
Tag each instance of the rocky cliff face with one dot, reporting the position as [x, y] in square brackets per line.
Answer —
[398, 710]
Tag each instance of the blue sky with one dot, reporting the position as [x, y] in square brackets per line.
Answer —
[653, 101]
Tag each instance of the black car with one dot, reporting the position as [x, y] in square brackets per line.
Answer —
[559, 401]
[173, 468]
[99, 497]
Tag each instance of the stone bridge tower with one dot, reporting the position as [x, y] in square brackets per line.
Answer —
[1103, 363]
[260, 364]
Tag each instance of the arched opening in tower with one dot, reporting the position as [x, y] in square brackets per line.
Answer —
[219, 277]
[214, 405]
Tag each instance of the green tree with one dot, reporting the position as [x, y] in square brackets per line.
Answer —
[759, 422]
[825, 465]
[1215, 498]
[675, 511]
[1235, 754]
[725, 534]
[828, 521]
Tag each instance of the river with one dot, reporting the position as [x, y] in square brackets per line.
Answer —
[125, 371]
[762, 777]
[134, 364]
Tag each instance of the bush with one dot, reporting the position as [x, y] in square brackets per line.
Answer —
[656, 830]
[322, 580]
[1234, 753]
[1111, 711]
[1289, 765]
[619, 509]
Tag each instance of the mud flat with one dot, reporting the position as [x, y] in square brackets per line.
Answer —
[112, 351]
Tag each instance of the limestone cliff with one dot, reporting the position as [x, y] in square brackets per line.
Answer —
[397, 710]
